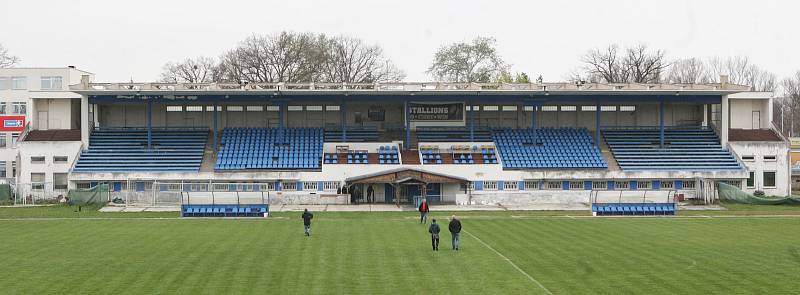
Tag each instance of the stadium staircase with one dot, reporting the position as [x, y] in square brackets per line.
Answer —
[544, 148]
[121, 150]
[685, 148]
[267, 148]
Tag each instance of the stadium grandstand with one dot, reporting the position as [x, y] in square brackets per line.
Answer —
[459, 143]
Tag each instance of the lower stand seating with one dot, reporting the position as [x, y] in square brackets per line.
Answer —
[603, 209]
[388, 155]
[548, 148]
[430, 155]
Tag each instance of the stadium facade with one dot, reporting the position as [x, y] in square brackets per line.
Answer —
[462, 143]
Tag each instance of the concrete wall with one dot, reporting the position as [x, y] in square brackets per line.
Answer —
[758, 165]
[48, 150]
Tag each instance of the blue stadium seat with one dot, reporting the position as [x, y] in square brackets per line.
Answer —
[547, 148]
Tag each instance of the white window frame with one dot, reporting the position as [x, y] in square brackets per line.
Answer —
[531, 185]
[627, 108]
[644, 184]
[254, 108]
[38, 185]
[509, 108]
[510, 185]
[330, 185]
[608, 108]
[19, 108]
[273, 108]
[58, 186]
[38, 160]
[597, 185]
[569, 108]
[194, 108]
[553, 185]
[689, 184]
[5, 83]
[53, 82]
[528, 108]
[770, 158]
[234, 108]
[750, 175]
[491, 108]
[19, 83]
[667, 184]
[549, 108]
[748, 158]
[174, 108]
[490, 185]
[588, 108]
[774, 179]
[332, 108]
[289, 186]
[211, 108]
[576, 185]
[310, 185]
[314, 108]
[622, 185]
[294, 108]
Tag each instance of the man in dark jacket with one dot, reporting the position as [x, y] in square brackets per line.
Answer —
[434, 230]
[455, 230]
[307, 216]
[370, 194]
[423, 211]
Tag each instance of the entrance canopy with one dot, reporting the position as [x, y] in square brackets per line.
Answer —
[405, 176]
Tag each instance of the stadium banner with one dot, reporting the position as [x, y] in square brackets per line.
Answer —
[436, 112]
[13, 123]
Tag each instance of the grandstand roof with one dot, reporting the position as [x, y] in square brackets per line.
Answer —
[401, 175]
[405, 88]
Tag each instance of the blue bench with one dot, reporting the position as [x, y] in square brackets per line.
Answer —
[632, 209]
[224, 210]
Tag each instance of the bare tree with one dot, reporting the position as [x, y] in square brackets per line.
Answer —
[791, 100]
[741, 71]
[191, 70]
[606, 64]
[637, 64]
[348, 59]
[687, 71]
[6, 59]
[643, 65]
[477, 61]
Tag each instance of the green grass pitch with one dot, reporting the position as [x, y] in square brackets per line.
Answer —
[57, 251]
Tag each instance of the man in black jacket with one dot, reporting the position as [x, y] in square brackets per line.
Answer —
[455, 230]
[434, 230]
[307, 216]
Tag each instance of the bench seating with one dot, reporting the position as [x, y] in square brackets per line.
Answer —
[454, 134]
[224, 210]
[605, 209]
[548, 148]
[119, 150]
[268, 148]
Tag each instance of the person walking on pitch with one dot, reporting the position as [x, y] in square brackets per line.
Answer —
[455, 230]
[434, 230]
[423, 211]
[307, 216]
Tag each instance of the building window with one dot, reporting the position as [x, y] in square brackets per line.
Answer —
[627, 108]
[689, 184]
[491, 108]
[37, 181]
[531, 185]
[60, 159]
[598, 185]
[644, 185]
[529, 108]
[174, 108]
[289, 186]
[330, 185]
[211, 108]
[569, 108]
[576, 185]
[509, 108]
[554, 185]
[2, 108]
[5, 83]
[2, 140]
[332, 108]
[19, 83]
[769, 179]
[273, 108]
[736, 183]
[748, 158]
[770, 159]
[667, 184]
[255, 108]
[3, 169]
[235, 108]
[751, 179]
[83, 185]
[195, 108]
[51, 83]
[13, 169]
[60, 181]
[269, 186]
[314, 108]
[294, 108]
[37, 160]
[19, 108]
[608, 108]
[621, 185]
[14, 137]
[588, 108]
[510, 185]
[490, 185]
[549, 108]
[310, 185]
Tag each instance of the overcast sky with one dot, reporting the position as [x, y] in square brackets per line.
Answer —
[124, 40]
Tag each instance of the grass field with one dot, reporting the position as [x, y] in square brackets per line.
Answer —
[58, 251]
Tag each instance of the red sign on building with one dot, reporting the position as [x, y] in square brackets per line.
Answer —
[12, 123]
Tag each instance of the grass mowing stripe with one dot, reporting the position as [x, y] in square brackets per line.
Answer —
[510, 262]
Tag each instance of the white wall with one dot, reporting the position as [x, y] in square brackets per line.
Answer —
[48, 149]
[781, 165]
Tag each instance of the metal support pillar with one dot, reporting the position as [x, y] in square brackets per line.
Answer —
[343, 111]
[214, 127]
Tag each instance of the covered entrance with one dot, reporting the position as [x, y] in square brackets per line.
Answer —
[404, 185]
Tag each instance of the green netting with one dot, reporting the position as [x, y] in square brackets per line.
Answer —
[5, 192]
[94, 195]
[732, 194]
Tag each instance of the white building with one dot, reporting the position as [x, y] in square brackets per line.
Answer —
[36, 104]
